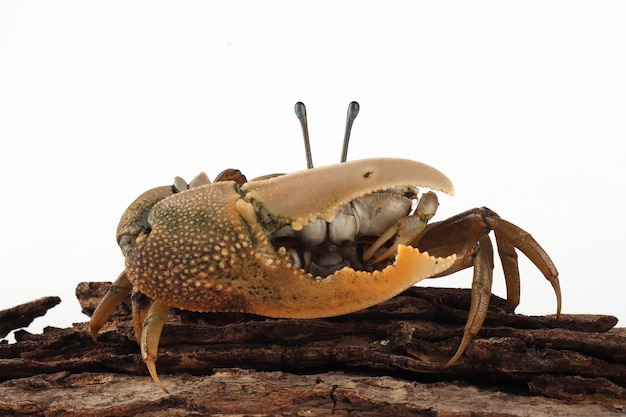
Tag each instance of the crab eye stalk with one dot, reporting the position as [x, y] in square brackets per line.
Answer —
[300, 110]
[353, 111]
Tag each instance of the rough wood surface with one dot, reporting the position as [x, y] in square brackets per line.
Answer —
[386, 360]
[24, 314]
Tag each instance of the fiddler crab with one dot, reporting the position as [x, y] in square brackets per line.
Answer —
[316, 243]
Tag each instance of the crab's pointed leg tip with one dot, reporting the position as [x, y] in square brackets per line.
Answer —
[94, 334]
[153, 373]
[459, 352]
[452, 361]
[559, 299]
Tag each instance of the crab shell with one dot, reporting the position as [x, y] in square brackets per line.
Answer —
[204, 249]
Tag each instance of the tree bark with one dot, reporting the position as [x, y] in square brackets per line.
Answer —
[386, 360]
[24, 314]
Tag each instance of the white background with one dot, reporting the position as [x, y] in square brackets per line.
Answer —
[521, 104]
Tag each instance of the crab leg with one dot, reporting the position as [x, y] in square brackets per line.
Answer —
[456, 234]
[522, 240]
[150, 335]
[508, 260]
[470, 226]
[140, 304]
[117, 292]
[480, 256]
[481, 294]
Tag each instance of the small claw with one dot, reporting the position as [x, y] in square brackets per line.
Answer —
[305, 196]
[389, 233]
[407, 230]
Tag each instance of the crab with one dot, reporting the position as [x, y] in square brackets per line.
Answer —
[316, 243]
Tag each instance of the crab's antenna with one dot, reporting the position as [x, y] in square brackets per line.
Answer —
[300, 110]
[353, 111]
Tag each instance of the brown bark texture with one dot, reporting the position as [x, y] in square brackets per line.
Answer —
[385, 360]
